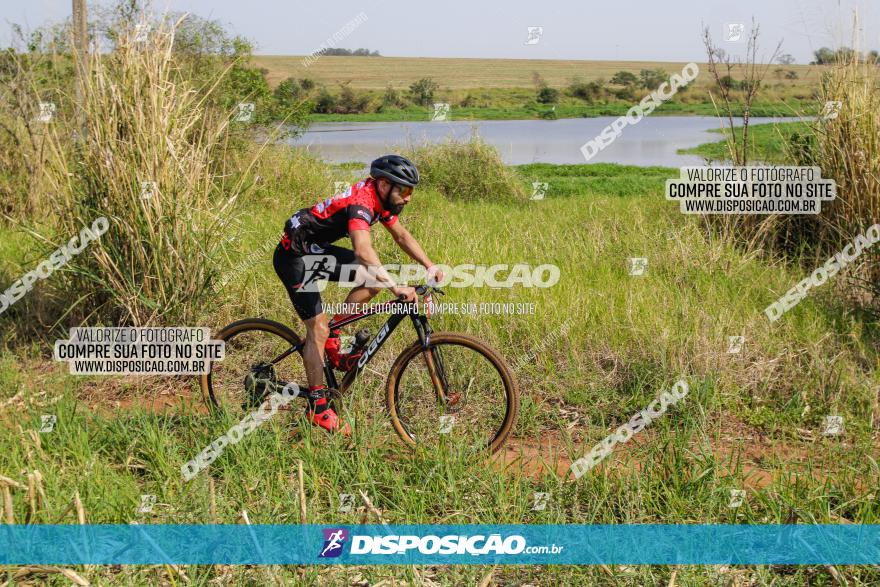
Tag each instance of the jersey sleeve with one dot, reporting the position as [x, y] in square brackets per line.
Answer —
[359, 217]
[388, 222]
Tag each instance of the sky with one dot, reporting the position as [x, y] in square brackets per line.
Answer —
[668, 30]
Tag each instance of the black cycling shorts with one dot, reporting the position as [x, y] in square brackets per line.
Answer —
[291, 269]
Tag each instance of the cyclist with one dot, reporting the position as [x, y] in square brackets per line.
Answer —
[309, 232]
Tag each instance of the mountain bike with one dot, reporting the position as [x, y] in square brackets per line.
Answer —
[444, 385]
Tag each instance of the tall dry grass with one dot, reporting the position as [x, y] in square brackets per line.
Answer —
[846, 147]
[27, 79]
[143, 125]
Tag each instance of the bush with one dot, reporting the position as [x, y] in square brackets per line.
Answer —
[288, 92]
[326, 102]
[730, 83]
[422, 91]
[548, 95]
[469, 101]
[588, 91]
[391, 98]
[468, 171]
[349, 102]
[651, 79]
[625, 78]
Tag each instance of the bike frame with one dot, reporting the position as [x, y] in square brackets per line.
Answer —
[420, 323]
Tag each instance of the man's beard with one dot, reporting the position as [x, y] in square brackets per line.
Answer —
[395, 210]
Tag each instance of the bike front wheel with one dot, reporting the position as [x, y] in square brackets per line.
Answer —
[457, 390]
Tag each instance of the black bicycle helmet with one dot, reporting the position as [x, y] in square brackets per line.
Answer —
[395, 168]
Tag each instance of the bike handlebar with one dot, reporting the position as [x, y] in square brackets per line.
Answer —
[423, 289]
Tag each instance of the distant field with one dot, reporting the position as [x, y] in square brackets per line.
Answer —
[455, 73]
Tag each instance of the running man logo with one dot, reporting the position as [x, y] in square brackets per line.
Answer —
[334, 540]
[318, 269]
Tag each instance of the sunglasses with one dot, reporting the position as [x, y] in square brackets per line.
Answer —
[405, 190]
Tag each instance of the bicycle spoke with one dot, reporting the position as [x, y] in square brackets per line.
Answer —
[467, 410]
[239, 383]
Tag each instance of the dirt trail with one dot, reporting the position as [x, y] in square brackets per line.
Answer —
[761, 458]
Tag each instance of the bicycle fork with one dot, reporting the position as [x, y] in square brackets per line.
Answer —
[434, 362]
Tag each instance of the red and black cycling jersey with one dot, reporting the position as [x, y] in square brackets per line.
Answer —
[357, 208]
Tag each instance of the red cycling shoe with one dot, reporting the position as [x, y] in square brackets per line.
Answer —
[340, 361]
[326, 418]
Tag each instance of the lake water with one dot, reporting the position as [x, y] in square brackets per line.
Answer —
[653, 141]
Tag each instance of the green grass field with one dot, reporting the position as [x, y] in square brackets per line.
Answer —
[497, 89]
[767, 143]
[753, 420]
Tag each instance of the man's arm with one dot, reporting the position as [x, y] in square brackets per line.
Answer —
[409, 244]
[367, 256]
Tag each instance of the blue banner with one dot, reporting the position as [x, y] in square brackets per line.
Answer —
[441, 544]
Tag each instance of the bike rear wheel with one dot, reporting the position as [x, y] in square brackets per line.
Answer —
[257, 362]
[458, 390]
